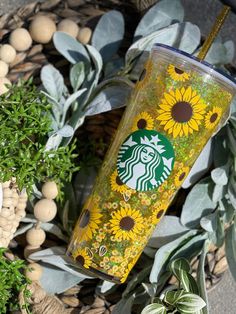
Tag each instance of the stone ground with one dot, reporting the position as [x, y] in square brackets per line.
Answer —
[222, 299]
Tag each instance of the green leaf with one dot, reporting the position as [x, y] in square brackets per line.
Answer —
[70, 48]
[160, 15]
[189, 303]
[180, 264]
[231, 140]
[171, 297]
[154, 308]
[163, 234]
[220, 53]
[188, 283]
[201, 276]
[124, 305]
[109, 34]
[232, 191]
[150, 288]
[226, 207]
[107, 286]
[109, 98]
[64, 279]
[185, 36]
[197, 204]
[208, 222]
[52, 81]
[164, 254]
[77, 75]
[219, 192]
[230, 249]
[191, 247]
[220, 175]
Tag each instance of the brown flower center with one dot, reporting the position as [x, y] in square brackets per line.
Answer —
[142, 123]
[127, 223]
[80, 259]
[160, 213]
[84, 221]
[118, 181]
[178, 71]
[142, 75]
[213, 117]
[182, 111]
[181, 177]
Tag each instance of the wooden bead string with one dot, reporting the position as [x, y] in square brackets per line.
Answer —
[44, 211]
[12, 211]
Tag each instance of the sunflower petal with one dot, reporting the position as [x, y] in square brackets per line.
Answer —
[176, 129]
[187, 95]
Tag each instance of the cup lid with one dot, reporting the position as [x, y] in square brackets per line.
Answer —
[205, 66]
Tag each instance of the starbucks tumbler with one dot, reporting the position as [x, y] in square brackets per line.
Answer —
[176, 106]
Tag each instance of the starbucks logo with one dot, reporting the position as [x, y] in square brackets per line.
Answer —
[145, 160]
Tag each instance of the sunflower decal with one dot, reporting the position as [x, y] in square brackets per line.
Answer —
[177, 74]
[181, 111]
[143, 121]
[181, 176]
[117, 185]
[81, 256]
[126, 223]
[212, 118]
[145, 75]
[88, 223]
[158, 212]
[126, 273]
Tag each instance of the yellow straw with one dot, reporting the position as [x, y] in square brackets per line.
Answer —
[215, 29]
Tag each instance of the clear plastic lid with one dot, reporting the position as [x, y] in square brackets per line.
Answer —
[183, 58]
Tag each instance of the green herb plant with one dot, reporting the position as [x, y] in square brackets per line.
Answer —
[25, 126]
[12, 282]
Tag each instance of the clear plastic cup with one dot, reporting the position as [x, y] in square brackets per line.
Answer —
[176, 106]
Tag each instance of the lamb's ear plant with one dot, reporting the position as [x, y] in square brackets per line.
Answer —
[12, 283]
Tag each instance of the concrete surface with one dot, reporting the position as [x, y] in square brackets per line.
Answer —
[222, 299]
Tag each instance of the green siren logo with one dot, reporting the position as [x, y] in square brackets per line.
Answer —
[145, 160]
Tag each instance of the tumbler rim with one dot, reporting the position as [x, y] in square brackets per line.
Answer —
[199, 63]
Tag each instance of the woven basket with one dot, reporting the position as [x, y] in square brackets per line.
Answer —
[102, 126]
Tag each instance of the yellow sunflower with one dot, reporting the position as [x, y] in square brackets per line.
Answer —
[177, 74]
[212, 118]
[88, 223]
[181, 111]
[82, 257]
[126, 223]
[116, 184]
[158, 211]
[143, 121]
[145, 75]
[181, 176]
[126, 272]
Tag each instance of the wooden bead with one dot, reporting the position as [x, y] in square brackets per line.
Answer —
[84, 35]
[20, 39]
[7, 202]
[45, 210]
[3, 221]
[29, 249]
[34, 272]
[3, 85]
[35, 237]
[49, 190]
[21, 205]
[5, 212]
[7, 192]
[42, 29]
[7, 53]
[68, 26]
[3, 68]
